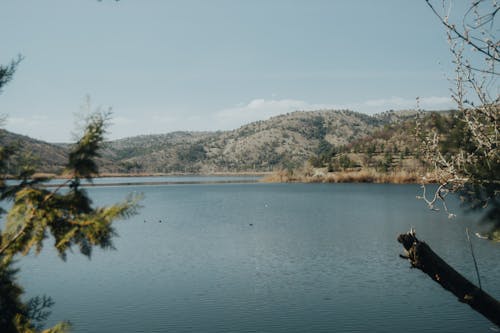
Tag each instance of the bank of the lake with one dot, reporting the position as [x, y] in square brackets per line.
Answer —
[147, 174]
[156, 180]
[322, 175]
[311, 175]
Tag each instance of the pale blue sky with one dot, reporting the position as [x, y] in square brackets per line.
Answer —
[215, 64]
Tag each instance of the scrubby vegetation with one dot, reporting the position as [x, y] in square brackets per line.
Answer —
[388, 154]
[338, 140]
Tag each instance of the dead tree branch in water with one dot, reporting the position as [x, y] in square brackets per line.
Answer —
[421, 256]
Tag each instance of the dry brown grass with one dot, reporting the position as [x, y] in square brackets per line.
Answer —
[280, 176]
[358, 176]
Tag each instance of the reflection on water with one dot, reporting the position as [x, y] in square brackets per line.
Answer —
[265, 258]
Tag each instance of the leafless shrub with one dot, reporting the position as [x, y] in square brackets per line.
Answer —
[471, 169]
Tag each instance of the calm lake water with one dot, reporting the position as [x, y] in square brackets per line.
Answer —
[265, 258]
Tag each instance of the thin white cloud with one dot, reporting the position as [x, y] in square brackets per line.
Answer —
[27, 121]
[395, 103]
[257, 109]
[437, 102]
[261, 109]
[384, 102]
[155, 122]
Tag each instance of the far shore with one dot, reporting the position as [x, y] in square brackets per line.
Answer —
[350, 176]
[146, 174]
[162, 179]
[280, 176]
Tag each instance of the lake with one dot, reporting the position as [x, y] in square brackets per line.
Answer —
[265, 258]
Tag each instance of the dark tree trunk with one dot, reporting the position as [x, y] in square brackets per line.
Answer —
[422, 257]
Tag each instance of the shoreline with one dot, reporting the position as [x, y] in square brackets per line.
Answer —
[369, 176]
[160, 183]
[280, 176]
[147, 174]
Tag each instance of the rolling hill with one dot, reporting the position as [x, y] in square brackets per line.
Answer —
[285, 141]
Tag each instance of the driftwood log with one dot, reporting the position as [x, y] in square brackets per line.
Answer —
[421, 256]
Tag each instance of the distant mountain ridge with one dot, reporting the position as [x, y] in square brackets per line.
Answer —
[285, 141]
[48, 157]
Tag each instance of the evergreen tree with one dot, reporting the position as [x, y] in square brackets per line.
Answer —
[66, 213]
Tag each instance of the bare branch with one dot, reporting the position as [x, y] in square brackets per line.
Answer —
[464, 36]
